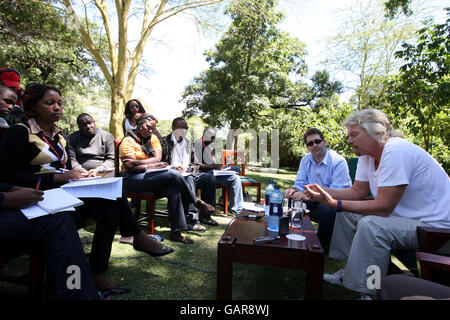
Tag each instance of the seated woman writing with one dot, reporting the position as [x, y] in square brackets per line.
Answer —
[141, 151]
[36, 150]
[54, 235]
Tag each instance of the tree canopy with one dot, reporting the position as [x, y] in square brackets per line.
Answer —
[37, 42]
[118, 57]
[254, 69]
[419, 96]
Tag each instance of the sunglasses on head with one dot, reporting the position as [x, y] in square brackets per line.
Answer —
[316, 141]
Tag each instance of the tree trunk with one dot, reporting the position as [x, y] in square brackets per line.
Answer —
[117, 114]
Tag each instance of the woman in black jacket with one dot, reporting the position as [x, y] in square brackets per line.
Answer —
[54, 235]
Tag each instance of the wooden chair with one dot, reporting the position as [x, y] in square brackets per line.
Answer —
[433, 259]
[236, 158]
[144, 218]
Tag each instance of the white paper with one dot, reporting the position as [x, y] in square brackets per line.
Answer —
[224, 172]
[157, 170]
[251, 206]
[55, 200]
[108, 188]
[86, 179]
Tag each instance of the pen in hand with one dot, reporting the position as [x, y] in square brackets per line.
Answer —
[38, 183]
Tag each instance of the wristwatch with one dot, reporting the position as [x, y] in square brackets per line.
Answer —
[339, 206]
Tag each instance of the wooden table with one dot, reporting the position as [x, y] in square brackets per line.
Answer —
[236, 245]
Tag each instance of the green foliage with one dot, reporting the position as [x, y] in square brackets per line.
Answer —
[419, 96]
[392, 7]
[293, 124]
[254, 69]
[37, 42]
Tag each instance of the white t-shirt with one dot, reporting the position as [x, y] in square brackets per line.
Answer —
[427, 195]
[128, 126]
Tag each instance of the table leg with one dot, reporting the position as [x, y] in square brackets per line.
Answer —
[314, 281]
[224, 268]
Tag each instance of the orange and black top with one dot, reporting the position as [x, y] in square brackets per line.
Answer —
[26, 152]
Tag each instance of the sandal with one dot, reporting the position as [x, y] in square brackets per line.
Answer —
[210, 221]
[197, 227]
[203, 206]
[177, 237]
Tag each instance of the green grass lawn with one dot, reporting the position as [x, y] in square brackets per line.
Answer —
[190, 272]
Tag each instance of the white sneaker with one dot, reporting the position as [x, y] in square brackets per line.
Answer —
[335, 278]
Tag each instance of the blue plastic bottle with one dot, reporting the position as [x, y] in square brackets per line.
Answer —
[276, 208]
[269, 190]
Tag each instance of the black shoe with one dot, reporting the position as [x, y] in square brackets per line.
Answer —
[210, 221]
[161, 252]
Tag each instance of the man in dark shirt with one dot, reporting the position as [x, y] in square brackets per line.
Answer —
[204, 154]
[177, 152]
[91, 149]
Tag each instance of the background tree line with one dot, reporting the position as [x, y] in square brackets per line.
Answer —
[257, 75]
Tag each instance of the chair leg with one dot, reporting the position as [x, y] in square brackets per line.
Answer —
[36, 276]
[137, 210]
[258, 197]
[225, 200]
[150, 208]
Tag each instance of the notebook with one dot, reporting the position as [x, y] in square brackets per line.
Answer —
[224, 172]
[55, 200]
[107, 188]
[157, 169]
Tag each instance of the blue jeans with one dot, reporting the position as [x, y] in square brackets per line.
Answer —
[236, 196]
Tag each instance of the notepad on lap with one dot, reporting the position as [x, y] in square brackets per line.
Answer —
[108, 188]
[224, 172]
[157, 169]
[55, 200]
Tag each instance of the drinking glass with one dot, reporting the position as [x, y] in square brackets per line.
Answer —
[285, 205]
[297, 214]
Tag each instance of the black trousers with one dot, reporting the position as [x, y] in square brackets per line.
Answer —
[170, 184]
[57, 238]
[109, 215]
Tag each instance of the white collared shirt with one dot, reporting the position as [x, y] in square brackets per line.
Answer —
[180, 156]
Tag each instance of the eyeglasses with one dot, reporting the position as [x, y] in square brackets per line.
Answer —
[316, 141]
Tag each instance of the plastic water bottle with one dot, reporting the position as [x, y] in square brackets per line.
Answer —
[269, 190]
[276, 208]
